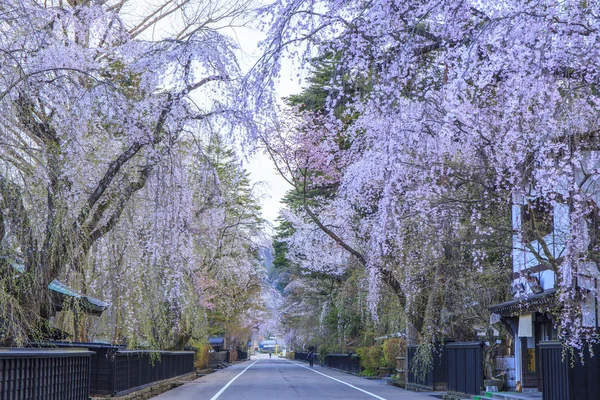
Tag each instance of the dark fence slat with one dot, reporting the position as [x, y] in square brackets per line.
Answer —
[465, 367]
[141, 369]
[554, 371]
[115, 370]
[564, 378]
[242, 355]
[345, 362]
[436, 378]
[44, 374]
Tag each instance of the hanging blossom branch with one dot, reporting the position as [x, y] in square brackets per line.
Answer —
[91, 119]
[289, 172]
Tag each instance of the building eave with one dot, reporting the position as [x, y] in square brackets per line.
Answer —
[526, 304]
[61, 294]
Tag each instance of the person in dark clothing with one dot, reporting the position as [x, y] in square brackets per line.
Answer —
[269, 354]
[310, 357]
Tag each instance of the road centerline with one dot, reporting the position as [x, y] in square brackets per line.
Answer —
[220, 392]
[340, 381]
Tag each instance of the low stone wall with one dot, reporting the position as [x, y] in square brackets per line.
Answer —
[153, 390]
[506, 365]
[217, 357]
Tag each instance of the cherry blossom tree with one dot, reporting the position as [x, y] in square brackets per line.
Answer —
[501, 95]
[232, 257]
[96, 98]
[428, 270]
[182, 263]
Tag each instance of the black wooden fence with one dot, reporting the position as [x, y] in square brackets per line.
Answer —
[465, 367]
[242, 355]
[32, 374]
[102, 359]
[116, 371]
[433, 379]
[560, 381]
[345, 362]
[554, 371]
[134, 369]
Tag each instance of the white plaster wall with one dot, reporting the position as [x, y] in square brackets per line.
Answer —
[591, 186]
[518, 358]
[547, 279]
[523, 258]
[518, 252]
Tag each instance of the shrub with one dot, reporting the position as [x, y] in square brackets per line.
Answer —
[371, 358]
[201, 357]
[392, 348]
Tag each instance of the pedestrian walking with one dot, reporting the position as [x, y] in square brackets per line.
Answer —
[269, 354]
[310, 357]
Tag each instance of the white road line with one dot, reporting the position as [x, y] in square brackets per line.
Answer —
[220, 392]
[340, 381]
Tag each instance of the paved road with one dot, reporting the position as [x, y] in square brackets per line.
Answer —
[277, 379]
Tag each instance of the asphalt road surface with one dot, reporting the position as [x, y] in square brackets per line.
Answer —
[262, 378]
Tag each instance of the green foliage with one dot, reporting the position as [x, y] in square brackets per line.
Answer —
[315, 98]
[201, 357]
[283, 230]
[392, 348]
[234, 265]
[334, 310]
[371, 358]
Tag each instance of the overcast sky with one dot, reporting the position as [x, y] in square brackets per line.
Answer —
[260, 166]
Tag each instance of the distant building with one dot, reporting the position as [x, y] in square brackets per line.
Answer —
[217, 343]
[268, 345]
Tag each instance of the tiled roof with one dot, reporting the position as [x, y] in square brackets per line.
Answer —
[216, 340]
[88, 303]
[526, 304]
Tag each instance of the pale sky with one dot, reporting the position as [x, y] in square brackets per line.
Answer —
[260, 166]
[261, 169]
